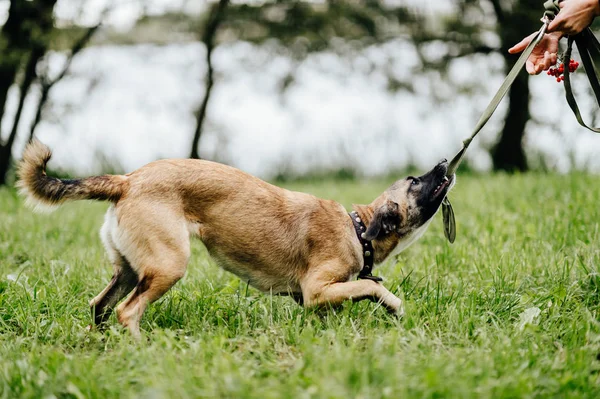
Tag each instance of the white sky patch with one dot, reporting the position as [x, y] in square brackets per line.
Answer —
[4, 5]
[124, 13]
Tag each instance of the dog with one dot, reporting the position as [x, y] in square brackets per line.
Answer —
[279, 241]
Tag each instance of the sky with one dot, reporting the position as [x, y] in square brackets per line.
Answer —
[123, 13]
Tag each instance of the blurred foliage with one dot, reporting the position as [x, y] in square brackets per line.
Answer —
[296, 29]
[304, 27]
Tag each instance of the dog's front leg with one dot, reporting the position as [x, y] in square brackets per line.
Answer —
[334, 293]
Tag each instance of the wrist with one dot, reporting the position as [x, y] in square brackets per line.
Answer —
[595, 4]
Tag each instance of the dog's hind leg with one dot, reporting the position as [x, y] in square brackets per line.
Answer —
[159, 249]
[123, 281]
[154, 283]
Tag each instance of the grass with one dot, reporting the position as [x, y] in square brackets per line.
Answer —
[509, 310]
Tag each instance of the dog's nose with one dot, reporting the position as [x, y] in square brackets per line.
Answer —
[444, 160]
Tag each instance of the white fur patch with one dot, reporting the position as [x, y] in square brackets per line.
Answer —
[411, 238]
[193, 228]
[36, 204]
[106, 234]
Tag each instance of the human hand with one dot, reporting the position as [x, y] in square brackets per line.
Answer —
[574, 16]
[544, 55]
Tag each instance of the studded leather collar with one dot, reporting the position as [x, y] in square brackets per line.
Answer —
[367, 249]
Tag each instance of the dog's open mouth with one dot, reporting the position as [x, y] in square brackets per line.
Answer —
[444, 184]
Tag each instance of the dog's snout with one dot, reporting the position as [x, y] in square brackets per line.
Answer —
[442, 166]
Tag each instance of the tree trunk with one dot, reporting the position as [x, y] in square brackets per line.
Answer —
[45, 91]
[30, 75]
[47, 83]
[201, 114]
[6, 149]
[508, 154]
[4, 164]
[11, 54]
[7, 77]
[208, 38]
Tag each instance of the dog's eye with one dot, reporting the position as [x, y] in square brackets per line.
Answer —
[414, 181]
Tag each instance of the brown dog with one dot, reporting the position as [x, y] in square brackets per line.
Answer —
[277, 240]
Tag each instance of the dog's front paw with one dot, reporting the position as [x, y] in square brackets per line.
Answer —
[394, 306]
[399, 312]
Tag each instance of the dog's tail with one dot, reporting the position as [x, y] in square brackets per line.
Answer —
[45, 192]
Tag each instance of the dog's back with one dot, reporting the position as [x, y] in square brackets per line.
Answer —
[262, 233]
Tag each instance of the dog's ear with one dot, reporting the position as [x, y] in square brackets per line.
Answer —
[385, 220]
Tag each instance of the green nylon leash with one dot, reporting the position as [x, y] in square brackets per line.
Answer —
[489, 111]
[589, 49]
[447, 210]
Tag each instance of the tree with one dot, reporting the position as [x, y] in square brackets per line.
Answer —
[301, 28]
[47, 83]
[217, 14]
[25, 40]
[508, 154]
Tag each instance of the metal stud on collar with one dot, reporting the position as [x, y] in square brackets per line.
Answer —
[359, 228]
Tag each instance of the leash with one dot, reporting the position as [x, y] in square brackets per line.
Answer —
[589, 49]
[508, 81]
[447, 210]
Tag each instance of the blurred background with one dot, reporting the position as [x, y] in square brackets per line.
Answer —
[281, 89]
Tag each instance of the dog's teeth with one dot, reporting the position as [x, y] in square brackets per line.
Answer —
[445, 178]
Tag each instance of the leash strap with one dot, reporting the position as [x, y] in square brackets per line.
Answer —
[508, 81]
[589, 50]
[552, 8]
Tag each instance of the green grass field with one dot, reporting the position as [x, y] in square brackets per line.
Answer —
[509, 310]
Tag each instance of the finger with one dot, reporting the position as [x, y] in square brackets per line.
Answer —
[517, 48]
[547, 60]
[539, 67]
[553, 58]
[530, 68]
[571, 29]
[545, 64]
[557, 24]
